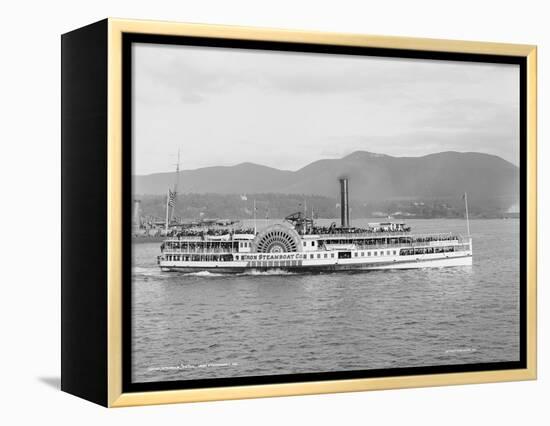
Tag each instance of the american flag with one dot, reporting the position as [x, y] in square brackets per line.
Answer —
[171, 198]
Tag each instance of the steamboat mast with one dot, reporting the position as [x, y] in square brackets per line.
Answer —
[171, 197]
[465, 196]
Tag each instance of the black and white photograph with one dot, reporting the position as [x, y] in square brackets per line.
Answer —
[299, 213]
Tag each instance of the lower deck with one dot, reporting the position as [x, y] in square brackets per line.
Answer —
[390, 258]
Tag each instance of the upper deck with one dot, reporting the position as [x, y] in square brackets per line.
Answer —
[244, 243]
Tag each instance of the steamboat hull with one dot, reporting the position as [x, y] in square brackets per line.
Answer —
[462, 259]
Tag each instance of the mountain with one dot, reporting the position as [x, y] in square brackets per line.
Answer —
[486, 178]
[243, 178]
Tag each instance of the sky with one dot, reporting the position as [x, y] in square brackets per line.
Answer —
[223, 107]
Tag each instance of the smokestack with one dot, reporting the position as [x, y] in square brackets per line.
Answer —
[344, 202]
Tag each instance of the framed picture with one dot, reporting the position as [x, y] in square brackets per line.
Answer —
[253, 212]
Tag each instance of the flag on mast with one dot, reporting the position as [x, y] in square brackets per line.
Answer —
[171, 198]
[255, 227]
[465, 198]
[167, 221]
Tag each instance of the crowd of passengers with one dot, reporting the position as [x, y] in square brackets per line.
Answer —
[210, 232]
[427, 239]
[322, 230]
[197, 248]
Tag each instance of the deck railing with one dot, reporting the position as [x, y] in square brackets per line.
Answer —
[357, 235]
[455, 239]
[185, 250]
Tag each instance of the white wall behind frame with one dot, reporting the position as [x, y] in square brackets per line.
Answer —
[30, 165]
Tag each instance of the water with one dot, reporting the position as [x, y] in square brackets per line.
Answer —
[202, 325]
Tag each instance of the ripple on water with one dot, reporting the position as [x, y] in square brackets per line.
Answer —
[280, 322]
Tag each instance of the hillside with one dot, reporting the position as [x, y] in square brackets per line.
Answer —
[488, 179]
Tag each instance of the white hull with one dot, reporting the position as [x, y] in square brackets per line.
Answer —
[435, 263]
[463, 258]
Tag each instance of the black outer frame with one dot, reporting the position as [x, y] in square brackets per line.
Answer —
[84, 212]
[129, 38]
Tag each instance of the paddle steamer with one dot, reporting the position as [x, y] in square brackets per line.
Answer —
[299, 245]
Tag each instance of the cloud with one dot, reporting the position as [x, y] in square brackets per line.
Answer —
[287, 109]
[191, 98]
[468, 114]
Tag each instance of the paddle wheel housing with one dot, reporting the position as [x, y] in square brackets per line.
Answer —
[277, 239]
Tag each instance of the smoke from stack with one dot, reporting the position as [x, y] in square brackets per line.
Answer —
[344, 202]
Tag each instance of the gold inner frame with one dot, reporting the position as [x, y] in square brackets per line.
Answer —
[116, 398]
